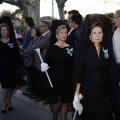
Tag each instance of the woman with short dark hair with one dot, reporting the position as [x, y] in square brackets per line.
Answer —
[92, 69]
[29, 54]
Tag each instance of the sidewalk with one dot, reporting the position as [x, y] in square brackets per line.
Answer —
[35, 105]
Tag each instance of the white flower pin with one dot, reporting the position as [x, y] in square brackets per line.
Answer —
[105, 53]
[10, 45]
[69, 51]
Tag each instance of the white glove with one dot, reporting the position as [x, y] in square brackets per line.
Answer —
[76, 103]
[44, 67]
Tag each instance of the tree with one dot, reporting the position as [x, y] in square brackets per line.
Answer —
[61, 4]
[32, 6]
[20, 14]
[7, 13]
[110, 15]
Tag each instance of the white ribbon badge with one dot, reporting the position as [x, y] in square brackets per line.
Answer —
[69, 51]
[10, 45]
[105, 53]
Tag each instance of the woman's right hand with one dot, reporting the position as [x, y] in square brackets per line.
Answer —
[44, 67]
[76, 102]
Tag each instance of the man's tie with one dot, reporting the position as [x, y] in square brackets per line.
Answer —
[41, 37]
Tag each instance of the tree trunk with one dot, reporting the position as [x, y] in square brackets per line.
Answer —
[61, 4]
[34, 11]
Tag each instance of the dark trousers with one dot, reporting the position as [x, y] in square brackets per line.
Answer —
[32, 79]
[119, 97]
[115, 86]
[119, 87]
[44, 86]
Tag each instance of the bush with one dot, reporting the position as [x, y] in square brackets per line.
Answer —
[21, 27]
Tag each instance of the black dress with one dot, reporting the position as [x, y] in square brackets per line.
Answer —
[60, 61]
[95, 86]
[9, 56]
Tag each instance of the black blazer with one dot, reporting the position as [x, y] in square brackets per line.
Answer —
[71, 38]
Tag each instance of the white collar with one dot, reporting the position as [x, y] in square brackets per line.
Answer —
[45, 33]
[70, 31]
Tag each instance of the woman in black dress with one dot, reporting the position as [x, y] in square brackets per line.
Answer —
[9, 60]
[60, 59]
[93, 75]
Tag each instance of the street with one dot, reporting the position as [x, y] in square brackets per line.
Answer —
[26, 109]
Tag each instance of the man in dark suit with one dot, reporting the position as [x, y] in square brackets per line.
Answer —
[71, 33]
[77, 22]
[71, 40]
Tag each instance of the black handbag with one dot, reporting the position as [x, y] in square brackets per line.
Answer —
[28, 61]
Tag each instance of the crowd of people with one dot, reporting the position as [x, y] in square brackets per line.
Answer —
[80, 58]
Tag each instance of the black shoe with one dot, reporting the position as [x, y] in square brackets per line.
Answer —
[9, 108]
[38, 99]
[3, 111]
[26, 93]
[45, 102]
[33, 97]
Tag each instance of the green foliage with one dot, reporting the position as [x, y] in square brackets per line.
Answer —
[24, 13]
[18, 14]
[7, 13]
[49, 21]
[110, 15]
[21, 27]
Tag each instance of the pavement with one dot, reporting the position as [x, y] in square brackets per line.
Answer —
[27, 109]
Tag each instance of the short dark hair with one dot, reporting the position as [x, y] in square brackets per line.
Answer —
[96, 24]
[73, 12]
[37, 30]
[5, 25]
[29, 21]
[46, 23]
[77, 18]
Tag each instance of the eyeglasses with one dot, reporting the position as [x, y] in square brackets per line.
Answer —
[42, 25]
[116, 17]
